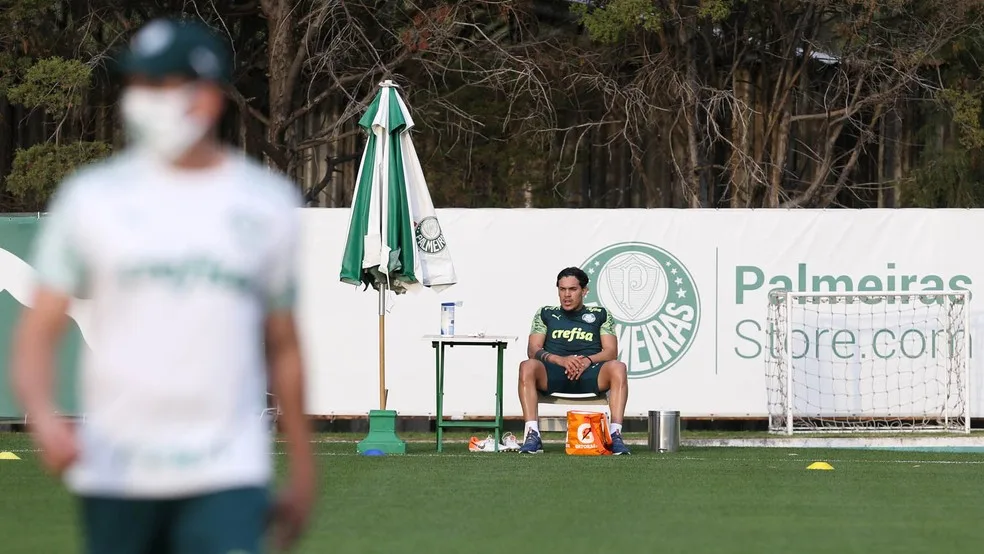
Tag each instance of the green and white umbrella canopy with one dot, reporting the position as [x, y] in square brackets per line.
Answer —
[394, 238]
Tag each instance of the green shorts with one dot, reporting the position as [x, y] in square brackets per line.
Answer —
[217, 523]
[557, 380]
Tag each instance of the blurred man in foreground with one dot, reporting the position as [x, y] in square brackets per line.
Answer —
[187, 252]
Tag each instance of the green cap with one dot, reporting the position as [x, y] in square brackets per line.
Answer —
[177, 47]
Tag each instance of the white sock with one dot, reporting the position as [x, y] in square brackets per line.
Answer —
[615, 428]
[532, 426]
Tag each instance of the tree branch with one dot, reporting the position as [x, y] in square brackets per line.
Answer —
[328, 138]
[331, 162]
[342, 82]
[245, 106]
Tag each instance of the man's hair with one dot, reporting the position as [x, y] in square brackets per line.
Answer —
[576, 272]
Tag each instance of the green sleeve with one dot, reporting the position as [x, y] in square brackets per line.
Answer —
[608, 327]
[538, 327]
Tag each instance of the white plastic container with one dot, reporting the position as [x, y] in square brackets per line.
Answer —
[447, 317]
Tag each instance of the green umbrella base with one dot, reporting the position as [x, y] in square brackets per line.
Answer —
[382, 434]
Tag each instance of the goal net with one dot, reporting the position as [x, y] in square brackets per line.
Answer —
[868, 361]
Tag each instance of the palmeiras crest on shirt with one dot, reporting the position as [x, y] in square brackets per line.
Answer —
[248, 229]
[429, 236]
[652, 299]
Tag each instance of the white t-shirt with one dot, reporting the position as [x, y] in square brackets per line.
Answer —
[181, 268]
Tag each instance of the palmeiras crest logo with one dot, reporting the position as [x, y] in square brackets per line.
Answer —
[429, 236]
[653, 300]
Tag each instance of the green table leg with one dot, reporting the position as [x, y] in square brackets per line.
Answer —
[498, 394]
[439, 350]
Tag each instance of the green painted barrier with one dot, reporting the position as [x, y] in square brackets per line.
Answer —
[16, 240]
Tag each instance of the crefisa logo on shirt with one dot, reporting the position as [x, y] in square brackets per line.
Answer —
[653, 300]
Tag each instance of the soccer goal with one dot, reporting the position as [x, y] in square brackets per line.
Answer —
[868, 361]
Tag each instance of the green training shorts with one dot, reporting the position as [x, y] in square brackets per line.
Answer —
[224, 522]
[557, 380]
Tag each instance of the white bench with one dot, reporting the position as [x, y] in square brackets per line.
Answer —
[573, 399]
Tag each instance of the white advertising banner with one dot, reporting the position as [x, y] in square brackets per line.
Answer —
[688, 289]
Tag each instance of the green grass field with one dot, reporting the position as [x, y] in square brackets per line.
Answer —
[714, 500]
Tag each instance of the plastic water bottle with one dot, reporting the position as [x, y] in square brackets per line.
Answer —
[447, 317]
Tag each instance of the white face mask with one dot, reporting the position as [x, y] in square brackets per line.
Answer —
[158, 122]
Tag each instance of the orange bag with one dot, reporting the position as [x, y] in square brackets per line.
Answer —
[587, 434]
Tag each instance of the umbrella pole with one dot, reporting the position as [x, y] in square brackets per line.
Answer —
[382, 438]
[382, 346]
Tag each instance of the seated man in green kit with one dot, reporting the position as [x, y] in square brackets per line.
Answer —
[572, 349]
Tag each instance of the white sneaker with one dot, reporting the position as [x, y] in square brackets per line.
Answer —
[485, 445]
[509, 443]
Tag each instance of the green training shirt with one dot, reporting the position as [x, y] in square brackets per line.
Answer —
[572, 333]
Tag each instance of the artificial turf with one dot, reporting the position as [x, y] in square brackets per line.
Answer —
[714, 500]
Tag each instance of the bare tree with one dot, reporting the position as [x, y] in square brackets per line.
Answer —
[770, 103]
[333, 54]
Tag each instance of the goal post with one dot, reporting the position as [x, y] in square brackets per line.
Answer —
[868, 361]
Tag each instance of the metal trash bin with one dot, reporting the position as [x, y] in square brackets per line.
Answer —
[664, 431]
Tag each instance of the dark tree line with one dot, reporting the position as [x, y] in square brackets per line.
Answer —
[545, 103]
